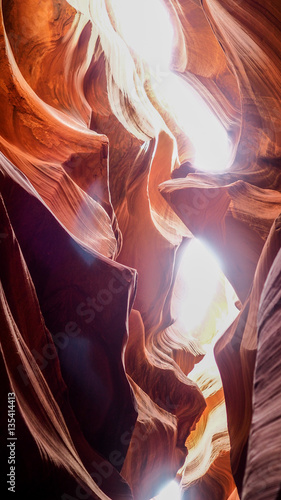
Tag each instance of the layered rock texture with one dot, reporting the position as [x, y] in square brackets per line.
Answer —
[104, 190]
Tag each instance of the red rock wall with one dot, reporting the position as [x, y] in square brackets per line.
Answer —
[99, 198]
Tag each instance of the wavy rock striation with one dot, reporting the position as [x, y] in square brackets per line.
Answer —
[101, 196]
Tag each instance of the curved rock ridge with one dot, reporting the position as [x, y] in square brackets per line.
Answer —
[31, 370]
[102, 197]
[262, 478]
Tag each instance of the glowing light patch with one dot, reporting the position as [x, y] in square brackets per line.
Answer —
[199, 275]
[170, 492]
[209, 138]
[146, 28]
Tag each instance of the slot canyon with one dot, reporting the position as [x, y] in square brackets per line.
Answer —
[140, 174]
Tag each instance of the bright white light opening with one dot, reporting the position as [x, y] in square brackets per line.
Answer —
[170, 492]
[210, 140]
[198, 276]
[146, 28]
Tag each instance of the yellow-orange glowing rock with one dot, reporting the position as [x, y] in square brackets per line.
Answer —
[126, 129]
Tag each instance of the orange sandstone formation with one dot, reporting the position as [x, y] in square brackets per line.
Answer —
[103, 189]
